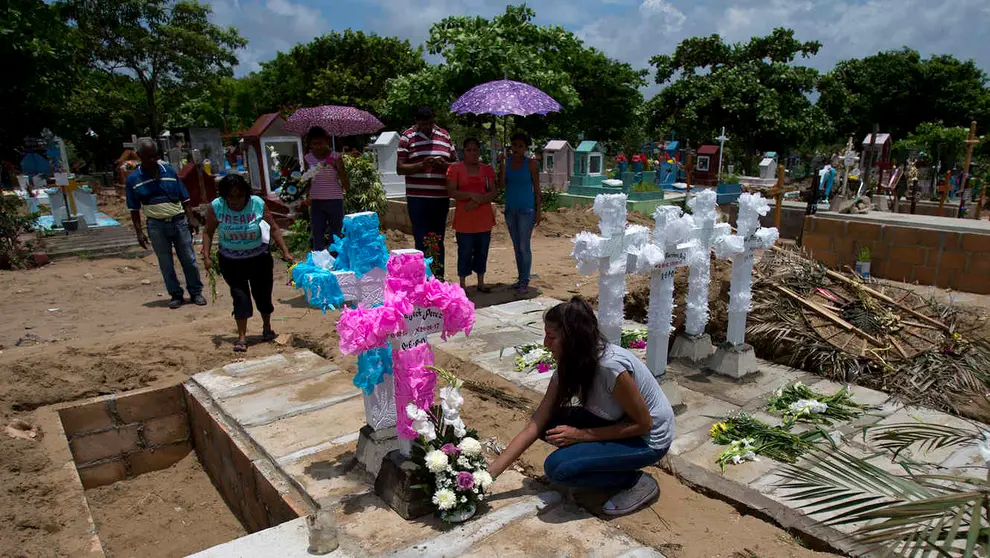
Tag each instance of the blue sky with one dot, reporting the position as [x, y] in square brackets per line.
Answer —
[635, 30]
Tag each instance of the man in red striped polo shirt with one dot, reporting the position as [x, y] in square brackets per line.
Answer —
[425, 151]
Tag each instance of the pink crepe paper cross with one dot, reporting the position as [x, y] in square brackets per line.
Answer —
[407, 288]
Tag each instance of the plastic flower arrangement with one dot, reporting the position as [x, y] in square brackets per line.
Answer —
[532, 356]
[293, 188]
[453, 470]
[620, 158]
[639, 158]
[633, 338]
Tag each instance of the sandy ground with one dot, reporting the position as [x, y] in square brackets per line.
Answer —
[141, 517]
[80, 328]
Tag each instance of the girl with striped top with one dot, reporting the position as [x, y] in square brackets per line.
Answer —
[326, 191]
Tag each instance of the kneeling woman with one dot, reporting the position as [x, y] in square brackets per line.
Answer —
[245, 226]
[622, 422]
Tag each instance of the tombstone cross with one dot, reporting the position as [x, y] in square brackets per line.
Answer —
[673, 246]
[721, 150]
[610, 254]
[414, 307]
[694, 344]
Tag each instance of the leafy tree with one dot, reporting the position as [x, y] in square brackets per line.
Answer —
[752, 89]
[899, 90]
[168, 46]
[38, 49]
[941, 143]
[349, 68]
[598, 95]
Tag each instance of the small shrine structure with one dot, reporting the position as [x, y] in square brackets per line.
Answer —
[706, 166]
[386, 149]
[589, 164]
[269, 130]
[558, 162]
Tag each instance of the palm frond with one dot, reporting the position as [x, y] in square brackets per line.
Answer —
[904, 515]
[898, 437]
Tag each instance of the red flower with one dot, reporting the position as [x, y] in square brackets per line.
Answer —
[638, 158]
[620, 158]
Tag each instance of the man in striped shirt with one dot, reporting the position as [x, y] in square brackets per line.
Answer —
[425, 151]
[155, 189]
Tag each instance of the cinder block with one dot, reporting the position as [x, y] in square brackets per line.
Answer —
[867, 232]
[156, 459]
[149, 404]
[978, 243]
[925, 275]
[166, 430]
[102, 445]
[102, 474]
[911, 255]
[979, 264]
[830, 227]
[954, 261]
[902, 236]
[395, 484]
[85, 418]
[817, 243]
[899, 271]
[972, 283]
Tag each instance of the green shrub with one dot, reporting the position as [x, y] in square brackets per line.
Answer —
[14, 221]
[366, 192]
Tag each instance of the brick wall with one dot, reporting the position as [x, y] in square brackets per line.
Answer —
[121, 436]
[930, 208]
[257, 494]
[947, 259]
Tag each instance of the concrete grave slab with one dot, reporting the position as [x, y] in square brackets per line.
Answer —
[271, 363]
[288, 435]
[280, 401]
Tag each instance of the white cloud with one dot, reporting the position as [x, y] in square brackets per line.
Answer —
[269, 25]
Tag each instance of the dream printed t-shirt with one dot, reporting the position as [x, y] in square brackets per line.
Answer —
[481, 218]
[602, 402]
[239, 232]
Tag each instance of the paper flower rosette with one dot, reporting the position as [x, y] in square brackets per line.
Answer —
[452, 469]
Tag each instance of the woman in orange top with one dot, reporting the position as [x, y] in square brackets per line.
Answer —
[472, 184]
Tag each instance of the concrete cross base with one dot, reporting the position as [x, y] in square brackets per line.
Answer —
[695, 348]
[672, 390]
[395, 484]
[374, 445]
[735, 361]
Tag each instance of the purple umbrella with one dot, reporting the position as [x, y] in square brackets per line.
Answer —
[505, 97]
[336, 120]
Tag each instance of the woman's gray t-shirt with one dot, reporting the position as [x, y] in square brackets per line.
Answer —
[602, 403]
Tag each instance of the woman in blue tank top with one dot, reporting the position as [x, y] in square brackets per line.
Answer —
[520, 176]
[245, 228]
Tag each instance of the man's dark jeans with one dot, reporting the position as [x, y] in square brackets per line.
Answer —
[429, 215]
[164, 234]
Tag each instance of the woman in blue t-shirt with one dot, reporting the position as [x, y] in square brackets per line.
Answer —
[520, 176]
[603, 410]
[245, 228]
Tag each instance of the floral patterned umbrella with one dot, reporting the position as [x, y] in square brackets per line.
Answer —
[504, 97]
[336, 120]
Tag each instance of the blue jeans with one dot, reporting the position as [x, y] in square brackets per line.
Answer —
[325, 217]
[472, 253]
[429, 215]
[520, 223]
[175, 232]
[611, 465]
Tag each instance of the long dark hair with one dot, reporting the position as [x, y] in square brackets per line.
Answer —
[582, 347]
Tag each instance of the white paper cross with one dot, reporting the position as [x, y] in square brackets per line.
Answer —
[672, 247]
[742, 247]
[706, 232]
[610, 254]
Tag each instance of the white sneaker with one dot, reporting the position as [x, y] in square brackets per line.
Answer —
[631, 500]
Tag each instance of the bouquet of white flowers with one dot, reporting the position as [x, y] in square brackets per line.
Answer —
[293, 187]
[453, 469]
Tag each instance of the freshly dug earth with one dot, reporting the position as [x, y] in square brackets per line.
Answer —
[81, 328]
[173, 512]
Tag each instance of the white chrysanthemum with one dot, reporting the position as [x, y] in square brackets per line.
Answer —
[436, 461]
[483, 479]
[445, 499]
[470, 446]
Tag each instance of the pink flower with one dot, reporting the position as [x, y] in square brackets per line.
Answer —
[638, 344]
[450, 449]
[465, 480]
[543, 367]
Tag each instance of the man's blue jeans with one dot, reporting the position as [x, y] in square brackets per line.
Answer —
[429, 215]
[520, 223]
[611, 465]
[164, 234]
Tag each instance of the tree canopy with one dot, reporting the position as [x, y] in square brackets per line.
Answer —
[752, 89]
[476, 50]
[168, 46]
[899, 90]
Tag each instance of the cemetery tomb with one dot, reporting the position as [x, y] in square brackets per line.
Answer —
[558, 163]
[386, 155]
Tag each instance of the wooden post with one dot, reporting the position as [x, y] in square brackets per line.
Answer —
[971, 142]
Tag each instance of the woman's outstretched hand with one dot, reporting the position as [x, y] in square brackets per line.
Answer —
[563, 436]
